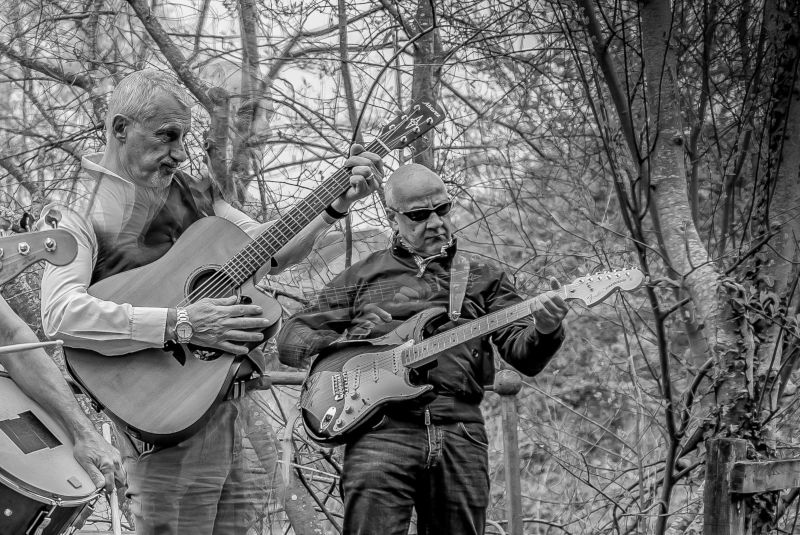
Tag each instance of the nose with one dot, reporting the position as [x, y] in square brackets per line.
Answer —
[178, 153]
[434, 221]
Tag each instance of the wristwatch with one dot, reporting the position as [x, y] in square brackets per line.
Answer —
[183, 328]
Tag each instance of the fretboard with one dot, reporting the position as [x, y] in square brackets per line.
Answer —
[246, 262]
[424, 352]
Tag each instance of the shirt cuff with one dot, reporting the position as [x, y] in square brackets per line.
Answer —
[148, 325]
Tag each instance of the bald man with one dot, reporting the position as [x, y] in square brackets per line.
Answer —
[428, 454]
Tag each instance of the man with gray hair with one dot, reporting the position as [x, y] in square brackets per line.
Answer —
[139, 205]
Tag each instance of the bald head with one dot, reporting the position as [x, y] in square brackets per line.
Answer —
[412, 181]
[419, 209]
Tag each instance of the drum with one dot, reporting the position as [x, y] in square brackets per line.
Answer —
[43, 489]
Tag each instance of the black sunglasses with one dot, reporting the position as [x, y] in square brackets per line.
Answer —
[422, 214]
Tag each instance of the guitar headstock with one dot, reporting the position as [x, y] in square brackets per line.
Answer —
[407, 128]
[593, 289]
[19, 251]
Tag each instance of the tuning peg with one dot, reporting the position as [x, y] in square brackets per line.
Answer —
[53, 217]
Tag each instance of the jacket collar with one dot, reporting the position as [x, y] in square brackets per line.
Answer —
[401, 250]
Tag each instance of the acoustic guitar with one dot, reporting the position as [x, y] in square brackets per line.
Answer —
[352, 380]
[163, 396]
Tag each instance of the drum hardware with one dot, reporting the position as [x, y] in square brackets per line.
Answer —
[43, 489]
[14, 348]
[113, 502]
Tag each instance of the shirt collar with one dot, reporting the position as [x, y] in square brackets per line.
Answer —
[401, 249]
[91, 162]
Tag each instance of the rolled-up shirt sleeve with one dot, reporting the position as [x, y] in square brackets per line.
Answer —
[70, 314]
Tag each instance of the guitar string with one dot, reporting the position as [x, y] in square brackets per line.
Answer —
[377, 146]
[220, 281]
[430, 347]
[427, 348]
[235, 271]
[461, 334]
[370, 293]
[379, 288]
[621, 277]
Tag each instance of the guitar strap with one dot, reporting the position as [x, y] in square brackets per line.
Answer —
[459, 276]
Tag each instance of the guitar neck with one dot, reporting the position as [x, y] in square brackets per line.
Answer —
[246, 262]
[425, 352]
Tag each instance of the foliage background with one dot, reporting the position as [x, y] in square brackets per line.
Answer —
[580, 137]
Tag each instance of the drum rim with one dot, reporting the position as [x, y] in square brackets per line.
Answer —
[40, 495]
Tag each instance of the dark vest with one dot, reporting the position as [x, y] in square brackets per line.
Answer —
[142, 242]
[187, 201]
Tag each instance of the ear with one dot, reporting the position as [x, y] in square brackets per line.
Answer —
[391, 215]
[119, 127]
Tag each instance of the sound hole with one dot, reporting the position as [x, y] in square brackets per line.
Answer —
[211, 283]
[214, 284]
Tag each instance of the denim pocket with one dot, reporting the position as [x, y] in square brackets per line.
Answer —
[475, 433]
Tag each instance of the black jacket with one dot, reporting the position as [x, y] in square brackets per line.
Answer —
[462, 371]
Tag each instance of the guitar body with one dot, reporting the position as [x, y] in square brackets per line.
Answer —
[353, 380]
[42, 486]
[163, 396]
[350, 381]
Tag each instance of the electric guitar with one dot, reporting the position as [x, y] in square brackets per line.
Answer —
[352, 380]
[19, 251]
[164, 396]
[42, 485]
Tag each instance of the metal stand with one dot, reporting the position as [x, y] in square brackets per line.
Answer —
[15, 348]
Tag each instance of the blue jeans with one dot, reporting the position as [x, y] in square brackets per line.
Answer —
[207, 484]
[439, 469]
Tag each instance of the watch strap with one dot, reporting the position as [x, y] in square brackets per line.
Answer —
[182, 318]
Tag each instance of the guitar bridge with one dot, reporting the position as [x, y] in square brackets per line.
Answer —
[337, 382]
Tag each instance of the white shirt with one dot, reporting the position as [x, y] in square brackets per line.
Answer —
[106, 201]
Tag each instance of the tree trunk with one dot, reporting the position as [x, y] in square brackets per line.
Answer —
[779, 199]
[427, 73]
[683, 250]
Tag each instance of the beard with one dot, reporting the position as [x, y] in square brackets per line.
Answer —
[161, 179]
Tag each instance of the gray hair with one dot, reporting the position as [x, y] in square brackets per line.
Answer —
[135, 93]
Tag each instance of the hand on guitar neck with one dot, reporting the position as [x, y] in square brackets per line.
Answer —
[366, 170]
[549, 309]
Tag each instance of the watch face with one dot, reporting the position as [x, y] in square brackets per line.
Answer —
[184, 331]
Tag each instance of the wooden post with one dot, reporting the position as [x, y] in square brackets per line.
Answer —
[724, 511]
[508, 383]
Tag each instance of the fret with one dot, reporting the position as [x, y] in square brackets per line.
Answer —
[396, 134]
[298, 217]
[473, 329]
